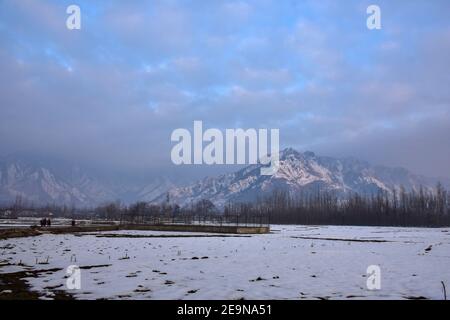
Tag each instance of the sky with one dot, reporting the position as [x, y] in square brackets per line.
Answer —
[110, 95]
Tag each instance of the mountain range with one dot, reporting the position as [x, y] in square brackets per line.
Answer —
[301, 172]
[41, 182]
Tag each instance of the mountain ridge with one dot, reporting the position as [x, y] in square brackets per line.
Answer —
[67, 184]
[53, 182]
[300, 172]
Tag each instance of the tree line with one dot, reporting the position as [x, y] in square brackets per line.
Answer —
[422, 208]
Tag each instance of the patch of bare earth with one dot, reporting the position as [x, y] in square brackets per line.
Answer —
[13, 286]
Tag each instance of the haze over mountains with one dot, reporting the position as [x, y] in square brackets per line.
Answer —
[40, 183]
[43, 183]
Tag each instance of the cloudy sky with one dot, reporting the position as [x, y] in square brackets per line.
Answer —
[110, 94]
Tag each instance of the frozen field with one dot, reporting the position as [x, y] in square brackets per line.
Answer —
[293, 262]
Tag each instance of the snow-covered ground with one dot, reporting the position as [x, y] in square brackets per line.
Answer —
[26, 222]
[293, 262]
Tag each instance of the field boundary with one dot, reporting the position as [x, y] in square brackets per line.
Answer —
[36, 231]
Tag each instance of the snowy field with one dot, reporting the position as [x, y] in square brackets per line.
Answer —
[26, 222]
[293, 262]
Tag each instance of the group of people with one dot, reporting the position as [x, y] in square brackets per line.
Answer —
[46, 222]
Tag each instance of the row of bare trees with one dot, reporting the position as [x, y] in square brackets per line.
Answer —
[399, 208]
[423, 207]
[144, 211]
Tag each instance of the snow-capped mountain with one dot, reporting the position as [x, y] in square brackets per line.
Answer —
[47, 182]
[40, 183]
[299, 172]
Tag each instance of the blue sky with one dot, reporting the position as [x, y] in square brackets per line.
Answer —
[111, 93]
